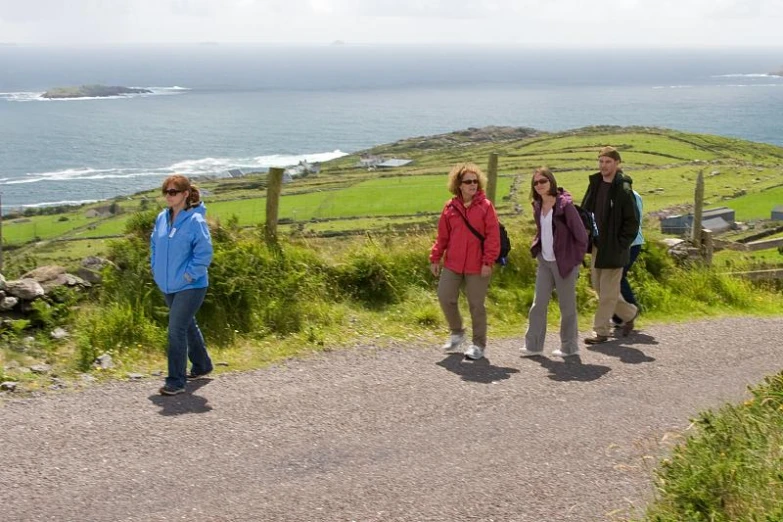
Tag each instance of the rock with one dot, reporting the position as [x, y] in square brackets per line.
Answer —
[156, 373]
[44, 273]
[8, 303]
[41, 368]
[136, 376]
[87, 378]
[8, 386]
[221, 363]
[58, 384]
[59, 333]
[92, 91]
[89, 276]
[104, 362]
[25, 289]
[96, 263]
[12, 365]
[2, 282]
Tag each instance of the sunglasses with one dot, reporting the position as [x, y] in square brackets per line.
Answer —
[172, 192]
[470, 182]
[543, 181]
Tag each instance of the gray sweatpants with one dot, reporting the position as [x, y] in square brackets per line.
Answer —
[476, 288]
[548, 279]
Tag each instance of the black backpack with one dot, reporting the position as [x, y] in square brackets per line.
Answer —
[588, 220]
[505, 242]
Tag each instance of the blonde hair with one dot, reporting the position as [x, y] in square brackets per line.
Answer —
[182, 183]
[459, 170]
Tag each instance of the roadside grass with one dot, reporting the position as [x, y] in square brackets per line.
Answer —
[730, 468]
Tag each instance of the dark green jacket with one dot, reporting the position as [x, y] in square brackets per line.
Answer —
[620, 222]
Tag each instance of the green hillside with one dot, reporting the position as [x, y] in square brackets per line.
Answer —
[345, 197]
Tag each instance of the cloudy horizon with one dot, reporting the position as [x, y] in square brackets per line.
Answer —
[539, 23]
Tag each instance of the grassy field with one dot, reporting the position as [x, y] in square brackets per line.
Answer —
[664, 164]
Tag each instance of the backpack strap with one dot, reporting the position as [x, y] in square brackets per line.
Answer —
[465, 219]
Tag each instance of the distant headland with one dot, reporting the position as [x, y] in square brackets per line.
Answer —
[91, 91]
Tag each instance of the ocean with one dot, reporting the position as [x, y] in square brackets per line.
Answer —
[219, 107]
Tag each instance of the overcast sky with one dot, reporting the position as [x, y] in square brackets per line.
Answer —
[565, 23]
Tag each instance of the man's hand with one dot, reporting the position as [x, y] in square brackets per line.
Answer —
[486, 270]
[435, 269]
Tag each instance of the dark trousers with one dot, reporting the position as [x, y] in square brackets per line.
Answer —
[625, 287]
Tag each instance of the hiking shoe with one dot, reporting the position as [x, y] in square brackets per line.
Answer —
[171, 390]
[627, 326]
[193, 376]
[561, 353]
[474, 352]
[596, 339]
[454, 342]
[524, 352]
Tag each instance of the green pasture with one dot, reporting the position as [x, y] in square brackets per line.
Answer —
[756, 205]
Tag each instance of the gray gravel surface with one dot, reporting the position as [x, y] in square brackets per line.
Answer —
[367, 434]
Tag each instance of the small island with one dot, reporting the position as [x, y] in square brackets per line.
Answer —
[91, 91]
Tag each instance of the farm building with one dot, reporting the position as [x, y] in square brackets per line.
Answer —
[716, 219]
[777, 213]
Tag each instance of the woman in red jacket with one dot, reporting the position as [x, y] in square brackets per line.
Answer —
[468, 258]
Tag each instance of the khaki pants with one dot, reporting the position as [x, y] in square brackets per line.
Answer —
[476, 288]
[606, 282]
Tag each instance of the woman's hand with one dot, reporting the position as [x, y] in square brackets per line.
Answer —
[486, 270]
[435, 269]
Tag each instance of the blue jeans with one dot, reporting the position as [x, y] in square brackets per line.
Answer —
[625, 287]
[185, 339]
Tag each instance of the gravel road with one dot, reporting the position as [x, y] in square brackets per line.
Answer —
[395, 434]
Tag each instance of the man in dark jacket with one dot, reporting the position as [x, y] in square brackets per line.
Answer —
[610, 198]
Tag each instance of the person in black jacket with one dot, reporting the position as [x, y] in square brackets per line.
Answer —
[610, 198]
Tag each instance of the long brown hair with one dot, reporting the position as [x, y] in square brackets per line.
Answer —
[543, 171]
[182, 183]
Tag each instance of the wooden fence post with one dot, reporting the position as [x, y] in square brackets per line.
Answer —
[274, 185]
[492, 176]
[708, 247]
[698, 207]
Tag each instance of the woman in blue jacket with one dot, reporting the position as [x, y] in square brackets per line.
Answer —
[181, 249]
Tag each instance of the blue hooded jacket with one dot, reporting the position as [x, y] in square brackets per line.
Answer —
[181, 251]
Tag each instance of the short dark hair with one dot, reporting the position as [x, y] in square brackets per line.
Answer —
[609, 152]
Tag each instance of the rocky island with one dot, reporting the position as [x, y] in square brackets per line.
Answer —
[91, 91]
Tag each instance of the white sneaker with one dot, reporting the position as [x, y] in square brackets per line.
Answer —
[454, 342]
[474, 352]
[559, 353]
[524, 352]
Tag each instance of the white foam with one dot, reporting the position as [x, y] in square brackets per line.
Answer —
[36, 96]
[198, 167]
[746, 75]
[57, 203]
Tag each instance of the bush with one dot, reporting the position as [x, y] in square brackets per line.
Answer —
[730, 469]
[118, 329]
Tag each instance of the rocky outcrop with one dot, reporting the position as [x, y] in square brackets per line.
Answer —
[92, 91]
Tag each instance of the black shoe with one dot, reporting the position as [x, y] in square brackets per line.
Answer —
[193, 376]
[628, 326]
[170, 390]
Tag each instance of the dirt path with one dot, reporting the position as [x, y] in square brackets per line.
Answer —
[396, 434]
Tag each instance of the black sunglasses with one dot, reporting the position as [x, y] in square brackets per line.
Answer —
[470, 181]
[172, 192]
[541, 181]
